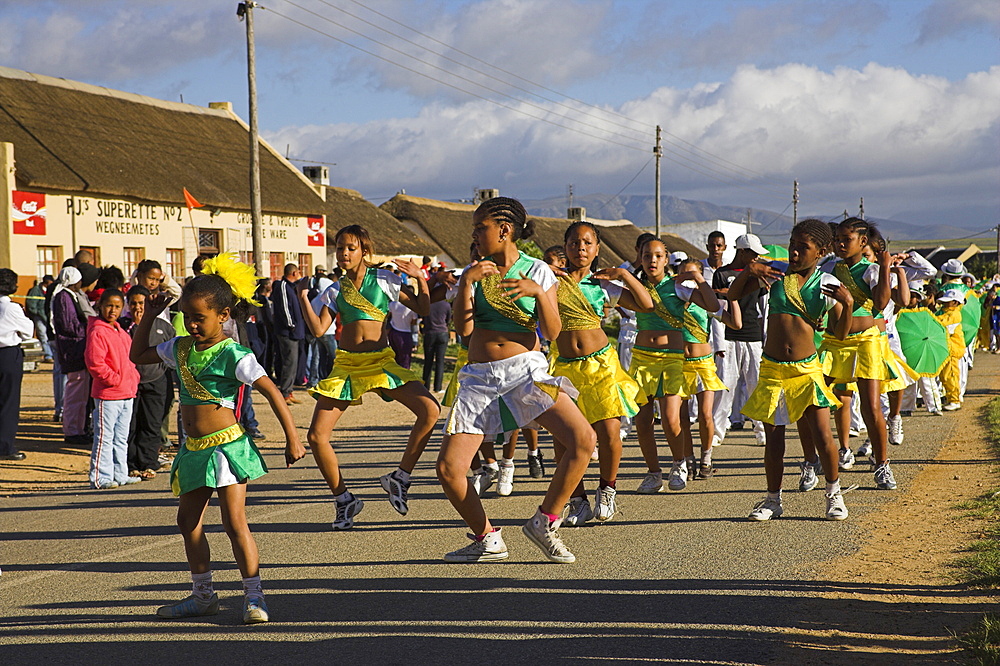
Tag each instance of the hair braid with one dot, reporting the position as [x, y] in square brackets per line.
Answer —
[506, 210]
[817, 230]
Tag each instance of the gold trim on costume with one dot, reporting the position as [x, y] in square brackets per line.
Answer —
[575, 311]
[499, 301]
[861, 300]
[356, 299]
[192, 385]
[793, 292]
[661, 311]
[230, 434]
[692, 326]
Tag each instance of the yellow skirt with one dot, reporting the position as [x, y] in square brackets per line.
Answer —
[658, 372]
[357, 373]
[700, 374]
[905, 374]
[786, 389]
[452, 390]
[606, 391]
[860, 356]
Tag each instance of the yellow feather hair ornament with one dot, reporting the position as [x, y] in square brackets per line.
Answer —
[242, 279]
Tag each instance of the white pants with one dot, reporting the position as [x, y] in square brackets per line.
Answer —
[927, 390]
[739, 369]
[626, 340]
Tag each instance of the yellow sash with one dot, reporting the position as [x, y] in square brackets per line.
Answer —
[502, 303]
[575, 311]
[861, 300]
[688, 323]
[692, 326]
[357, 300]
[793, 292]
[193, 386]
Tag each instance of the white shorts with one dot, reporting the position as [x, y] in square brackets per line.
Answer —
[499, 397]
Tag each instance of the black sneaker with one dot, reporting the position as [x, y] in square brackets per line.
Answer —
[255, 433]
[536, 466]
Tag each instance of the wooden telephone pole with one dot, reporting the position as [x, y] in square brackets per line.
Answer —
[657, 151]
[245, 11]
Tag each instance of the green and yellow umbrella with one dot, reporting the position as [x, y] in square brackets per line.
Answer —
[924, 340]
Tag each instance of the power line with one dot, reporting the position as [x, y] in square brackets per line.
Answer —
[601, 207]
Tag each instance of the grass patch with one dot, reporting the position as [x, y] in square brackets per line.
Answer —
[982, 642]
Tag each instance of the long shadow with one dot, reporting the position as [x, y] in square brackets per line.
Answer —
[496, 619]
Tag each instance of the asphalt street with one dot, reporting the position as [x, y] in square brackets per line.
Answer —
[676, 578]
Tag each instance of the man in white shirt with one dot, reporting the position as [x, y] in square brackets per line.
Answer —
[15, 327]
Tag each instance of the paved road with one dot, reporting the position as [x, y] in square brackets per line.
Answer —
[677, 578]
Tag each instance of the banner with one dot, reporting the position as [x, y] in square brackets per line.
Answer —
[29, 213]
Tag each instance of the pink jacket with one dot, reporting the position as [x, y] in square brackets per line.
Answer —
[115, 376]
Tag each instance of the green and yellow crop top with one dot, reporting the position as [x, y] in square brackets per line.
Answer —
[379, 287]
[211, 376]
[859, 279]
[493, 310]
[806, 301]
[581, 304]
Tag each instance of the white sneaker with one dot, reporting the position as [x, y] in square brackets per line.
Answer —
[346, 513]
[835, 507]
[505, 480]
[652, 484]
[766, 509]
[678, 476]
[483, 479]
[846, 459]
[760, 437]
[490, 548]
[895, 426]
[864, 450]
[716, 440]
[853, 433]
[545, 535]
[952, 406]
[605, 502]
[808, 479]
[578, 512]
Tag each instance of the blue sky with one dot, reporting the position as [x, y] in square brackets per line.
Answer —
[897, 101]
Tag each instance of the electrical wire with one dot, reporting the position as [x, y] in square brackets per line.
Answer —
[601, 207]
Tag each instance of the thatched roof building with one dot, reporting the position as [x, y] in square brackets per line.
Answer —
[620, 238]
[390, 237]
[75, 137]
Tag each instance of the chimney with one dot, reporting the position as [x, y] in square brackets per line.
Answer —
[222, 106]
[576, 213]
[317, 174]
[485, 195]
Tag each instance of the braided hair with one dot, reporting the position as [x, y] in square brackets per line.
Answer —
[858, 226]
[506, 210]
[817, 230]
[597, 234]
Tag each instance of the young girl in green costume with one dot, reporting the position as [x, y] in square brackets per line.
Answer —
[658, 361]
[587, 359]
[365, 362]
[217, 456]
[792, 388]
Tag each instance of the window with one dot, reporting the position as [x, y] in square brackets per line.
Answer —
[50, 258]
[176, 267]
[131, 256]
[246, 256]
[209, 242]
[277, 265]
[305, 263]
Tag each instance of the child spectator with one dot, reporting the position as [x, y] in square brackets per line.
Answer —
[144, 437]
[14, 327]
[115, 382]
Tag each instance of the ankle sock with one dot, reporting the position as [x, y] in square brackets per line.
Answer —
[833, 488]
[551, 516]
[706, 457]
[495, 466]
[402, 475]
[201, 585]
[344, 497]
[534, 454]
[507, 462]
[251, 587]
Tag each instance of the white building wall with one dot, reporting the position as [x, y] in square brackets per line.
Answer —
[697, 233]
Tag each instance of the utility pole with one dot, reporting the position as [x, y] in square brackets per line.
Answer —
[749, 221]
[570, 195]
[998, 248]
[795, 202]
[245, 11]
[657, 151]
[861, 211]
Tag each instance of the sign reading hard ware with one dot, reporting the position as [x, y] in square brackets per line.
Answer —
[28, 213]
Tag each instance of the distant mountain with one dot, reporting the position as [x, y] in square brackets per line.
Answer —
[771, 226]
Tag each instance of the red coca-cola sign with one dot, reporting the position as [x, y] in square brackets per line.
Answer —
[29, 213]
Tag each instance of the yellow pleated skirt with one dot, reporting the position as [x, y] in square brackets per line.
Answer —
[860, 356]
[357, 373]
[606, 391]
[786, 389]
[658, 372]
[700, 374]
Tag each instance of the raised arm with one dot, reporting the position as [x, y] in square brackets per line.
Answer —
[318, 324]
[635, 296]
[419, 302]
[882, 292]
[141, 353]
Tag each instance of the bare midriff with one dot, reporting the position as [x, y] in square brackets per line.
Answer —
[789, 338]
[486, 345]
[364, 335]
[660, 339]
[574, 344]
[202, 420]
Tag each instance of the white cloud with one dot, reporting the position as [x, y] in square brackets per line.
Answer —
[879, 132]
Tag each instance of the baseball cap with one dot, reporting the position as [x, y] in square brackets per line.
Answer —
[953, 267]
[951, 295]
[677, 257]
[750, 242]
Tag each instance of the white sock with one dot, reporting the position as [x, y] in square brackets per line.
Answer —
[201, 585]
[833, 488]
[507, 462]
[495, 466]
[402, 475]
[706, 456]
[344, 497]
[533, 454]
[251, 587]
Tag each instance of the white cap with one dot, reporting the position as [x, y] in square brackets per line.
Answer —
[750, 242]
[951, 295]
[953, 267]
[677, 257]
[917, 285]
